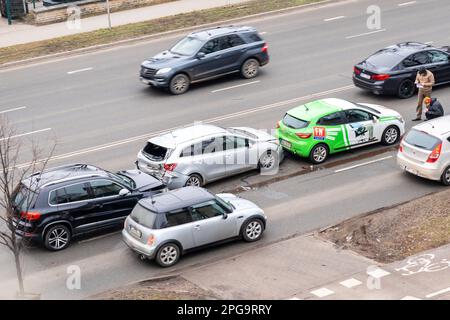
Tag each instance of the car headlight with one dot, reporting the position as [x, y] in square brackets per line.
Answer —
[163, 71]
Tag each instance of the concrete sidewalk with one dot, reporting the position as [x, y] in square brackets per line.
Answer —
[23, 33]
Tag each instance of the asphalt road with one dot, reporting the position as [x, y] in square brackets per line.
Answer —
[104, 115]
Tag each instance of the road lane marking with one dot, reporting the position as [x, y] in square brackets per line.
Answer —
[406, 3]
[322, 292]
[378, 273]
[410, 298]
[350, 283]
[263, 33]
[13, 109]
[211, 120]
[294, 298]
[79, 70]
[237, 86]
[363, 164]
[365, 34]
[334, 18]
[438, 293]
[26, 134]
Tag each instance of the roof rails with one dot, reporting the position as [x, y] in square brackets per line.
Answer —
[413, 43]
[70, 178]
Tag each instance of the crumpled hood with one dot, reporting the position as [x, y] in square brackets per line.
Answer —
[165, 59]
[239, 203]
[143, 181]
[385, 112]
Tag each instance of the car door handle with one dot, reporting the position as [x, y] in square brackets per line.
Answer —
[244, 50]
[197, 227]
[219, 56]
[240, 217]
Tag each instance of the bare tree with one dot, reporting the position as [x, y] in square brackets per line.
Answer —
[15, 200]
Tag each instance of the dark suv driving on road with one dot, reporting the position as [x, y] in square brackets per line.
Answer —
[204, 55]
[54, 205]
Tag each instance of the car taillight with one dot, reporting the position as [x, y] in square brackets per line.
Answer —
[434, 155]
[380, 77]
[30, 215]
[265, 47]
[303, 135]
[356, 70]
[169, 166]
[278, 124]
[151, 240]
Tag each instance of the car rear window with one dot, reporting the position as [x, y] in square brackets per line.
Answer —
[422, 140]
[293, 122]
[24, 198]
[384, 60]
[250, 37]
[143, 216]
[155, 152]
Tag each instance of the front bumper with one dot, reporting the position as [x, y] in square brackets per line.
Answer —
[428, 171]
[156, 81]
[137, 246]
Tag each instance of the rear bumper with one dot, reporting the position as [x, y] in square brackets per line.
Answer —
[26, 230]
[138, 246]
[378, 87]
[428, 170]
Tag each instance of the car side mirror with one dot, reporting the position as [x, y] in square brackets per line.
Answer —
[201, 55]
[225, 216]
[124, 192]
[375, 119]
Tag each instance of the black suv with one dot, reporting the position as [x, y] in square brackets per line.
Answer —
[54, 205]
[204, 55]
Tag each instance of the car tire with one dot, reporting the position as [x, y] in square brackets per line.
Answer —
[390, 136]
[319, 153]
[445, 178]
[406, 89]
[268, 161]
[194, 180]
[179, 84]
[252, 230]
[168, 255]
[57, 237]
[250, 68]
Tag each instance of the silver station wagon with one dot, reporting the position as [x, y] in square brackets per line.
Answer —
[199, 154]
[165, 226]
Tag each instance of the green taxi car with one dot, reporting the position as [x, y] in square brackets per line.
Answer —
[323, 127]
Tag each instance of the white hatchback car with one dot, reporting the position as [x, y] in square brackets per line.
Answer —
[425, 150]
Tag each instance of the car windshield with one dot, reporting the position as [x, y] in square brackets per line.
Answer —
[187, 47]
[24, 198]
[225, 204]
[362, 106]
[293, 122]
[156, 152]
[143, 216]
[124, 179]
[422, 140]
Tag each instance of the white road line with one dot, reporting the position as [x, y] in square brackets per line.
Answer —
[378, 273]
[263, 33]
[322, 292]
[410, 298]
[362, 164]
[334, 18]
[26, 134]
[365, 34]
[406, 3]
[11, 110]
[211, 120]
[350, 283]
[294, 298]
[79, 70]
[237, 86]
[437, 293]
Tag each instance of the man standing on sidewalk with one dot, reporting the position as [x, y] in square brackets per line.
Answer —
[425, 82]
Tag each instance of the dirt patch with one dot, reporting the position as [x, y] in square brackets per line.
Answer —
[172, 288]
[398, 232]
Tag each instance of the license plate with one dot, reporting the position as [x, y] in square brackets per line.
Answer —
[135, 232]
[286, 144]
[411, 170]
[365, 76]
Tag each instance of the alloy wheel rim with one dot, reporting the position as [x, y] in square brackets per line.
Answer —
[319, 154]
[168, 255]
[250, 69]
[193, 181]
[179, 84]
[268, 161]
[391, 136]
[253, 230]
[58, 238]
[447, 175]
[406, 90]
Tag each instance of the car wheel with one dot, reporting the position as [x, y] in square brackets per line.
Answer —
[406, 89]
[179, 84]
[57, 237]
[445, 178]
[318, 154]
[390, 136]
[168, 255]
[194, 180]
[250, 68]
[268, 161]
[252, 230]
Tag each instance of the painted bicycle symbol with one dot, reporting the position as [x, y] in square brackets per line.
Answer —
[423, 263]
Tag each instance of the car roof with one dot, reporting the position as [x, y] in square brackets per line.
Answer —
[319, 108]
[60, 174]
[176, 199]
[220, 31]
[173, 138]
[439, 127]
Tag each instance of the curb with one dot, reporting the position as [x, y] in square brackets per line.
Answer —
[157, 35]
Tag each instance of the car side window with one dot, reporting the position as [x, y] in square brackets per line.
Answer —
[105, 188]
[211, 46]
[58, 196]
[332, 119]
[209, 145]
[206, 210]
[77, 192]
[233, 142]
[177, 217]
[233, 40]
[422, 58]
[438, 57]
[356, 115]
